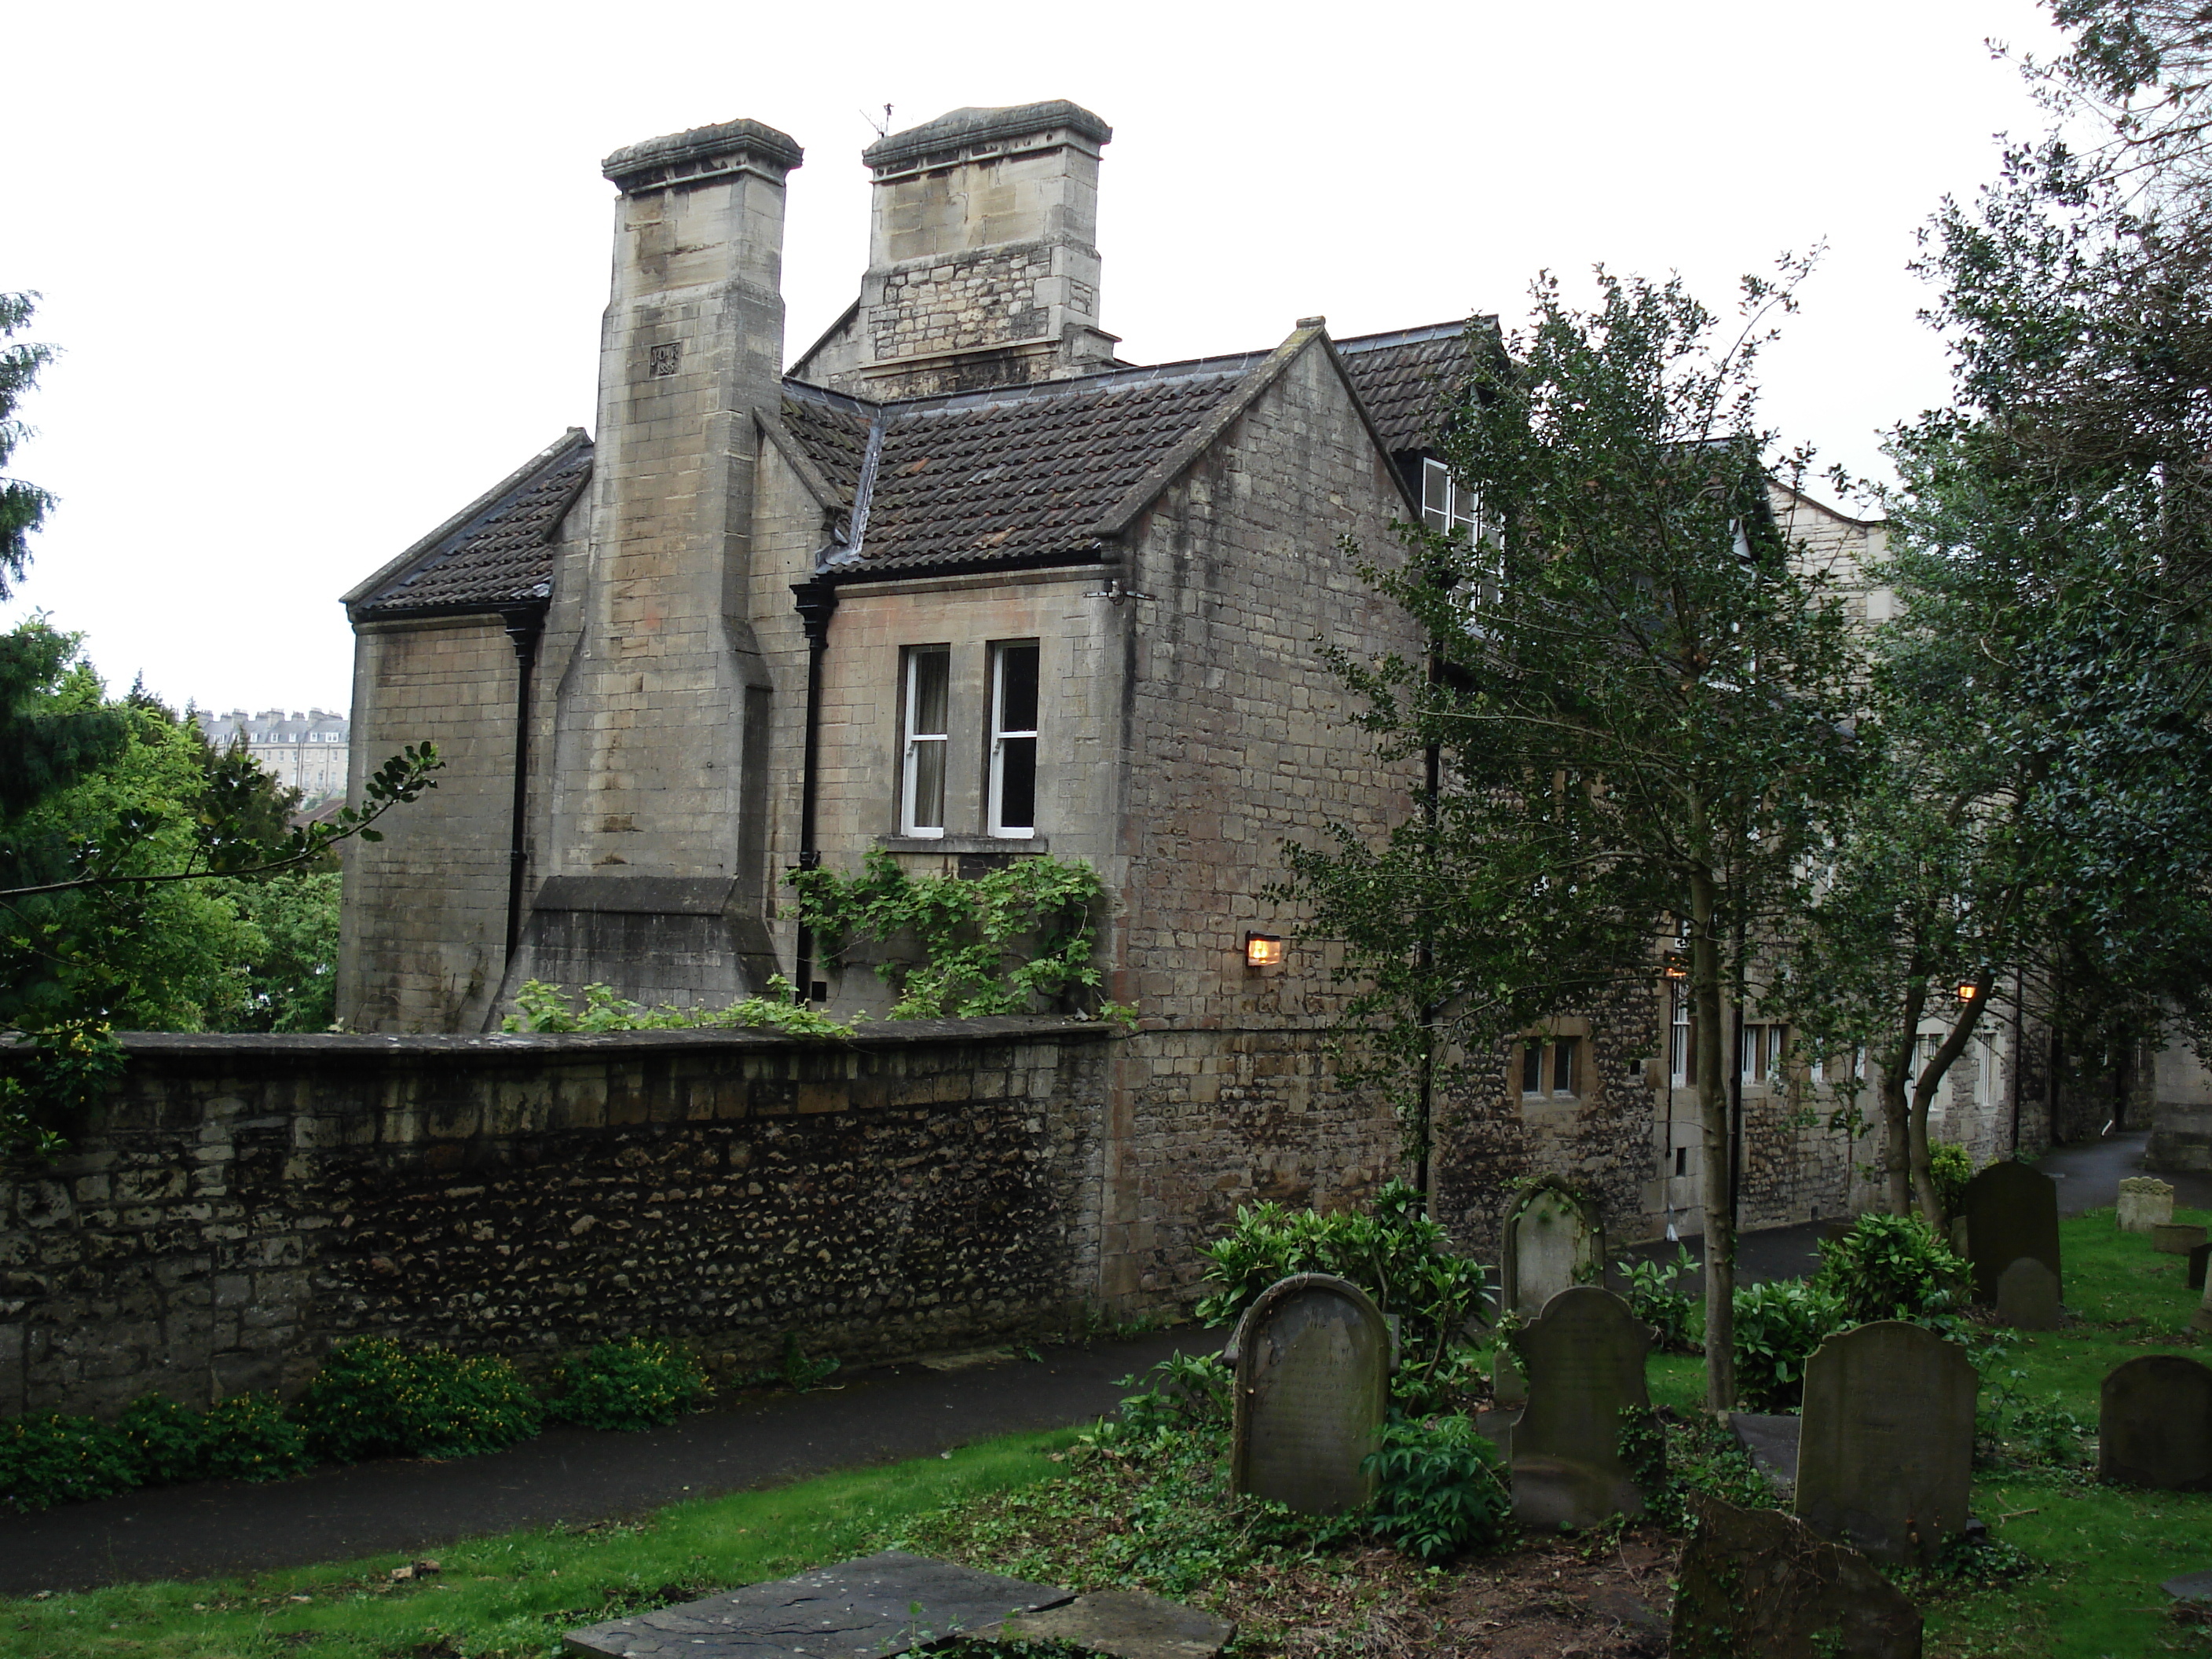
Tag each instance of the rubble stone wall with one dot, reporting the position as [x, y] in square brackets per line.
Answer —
[244, 1202]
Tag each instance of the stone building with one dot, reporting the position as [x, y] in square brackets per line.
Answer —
[961, 585]
[308, 752]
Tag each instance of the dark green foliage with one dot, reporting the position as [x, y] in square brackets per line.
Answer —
[374, 1399]
[1394, 1252]
[999, 943]
[1670, 1456]
[23, 506]
[1891, 1267]
[1777, 1326]
[1654, 1299]
[46, 1458]
[632, 1384]
[1950, 1168]
[796, 1372]
[1183, 1391]
[249, 1438]
[292, 983]
[169, 1441]
[1441, 1487]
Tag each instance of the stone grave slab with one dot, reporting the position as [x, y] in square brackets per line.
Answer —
[1585, 1355]
[1760, 1582]
[2143, 1203]
[2198, 1258]
[1769, 1439]
[1129, 1625]
[2028, 1297]
[2011, 1210]
[870, 1608]
[1552, 1241]
[1885, 1459]
[2175, 1237]
[2154, 1424]
[2190, 1586]
[1312, 1359]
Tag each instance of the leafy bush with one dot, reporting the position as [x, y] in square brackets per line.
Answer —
[1651, 1294]
[990, 944]
[1441, 1487]
[1185, 1391]
[373, 1399]
[1949, 1169]
[634, 1384]
[1396, 1253]
[1777, 1326]
[46, 1458]
[249, 1438]
[1891, 1267]
[545, 1007]
[167, 1441]
[1670, 1456]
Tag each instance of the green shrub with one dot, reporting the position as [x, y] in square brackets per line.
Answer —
[1183, 1391]
[1891, 1267]
[634, 1384]
[1441, 1487]
[46, 1458]
[374, 1399]
[1651, 1294]
[1777, 1326]
[167, 1441]
[1949, 1169]
[249, 1438]
[1395, 1253]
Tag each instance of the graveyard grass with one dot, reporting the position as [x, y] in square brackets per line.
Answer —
[1040, 1506]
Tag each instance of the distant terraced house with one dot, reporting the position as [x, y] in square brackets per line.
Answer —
[308, 752]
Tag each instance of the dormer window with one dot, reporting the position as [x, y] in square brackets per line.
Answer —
[1448, 505]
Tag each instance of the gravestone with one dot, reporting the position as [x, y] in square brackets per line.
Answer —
[2198, 1258]
[1770, 1440]
[2011, 1210]
[2028, 1297]
[1508, 1387]
[1885, 1458]
[2144, 1202]
[1553, 1240]
[1585, 1356]
[2175, 1237]
[870, 1608]
[2154, 1424]
[1127, 1624]
[1760, 1582]
[1312, 1359]
[2201, 1319]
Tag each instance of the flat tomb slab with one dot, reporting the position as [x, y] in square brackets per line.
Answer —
[1128, 1625]
[870, 1608]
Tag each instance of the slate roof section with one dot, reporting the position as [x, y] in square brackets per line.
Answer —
[833, 430]
[497, 551]
[1407, 378]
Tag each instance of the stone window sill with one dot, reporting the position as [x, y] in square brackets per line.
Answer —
[967, 844]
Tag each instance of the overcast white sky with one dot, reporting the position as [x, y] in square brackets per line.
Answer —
[323, 274]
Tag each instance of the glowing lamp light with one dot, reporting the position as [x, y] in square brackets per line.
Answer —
[1968, 991]
[1262, 950]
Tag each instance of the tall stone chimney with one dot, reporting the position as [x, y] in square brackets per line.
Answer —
[983, 256]
[655, 839]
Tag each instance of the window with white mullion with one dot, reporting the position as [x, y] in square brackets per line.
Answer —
[1013, 739]
[922, 795]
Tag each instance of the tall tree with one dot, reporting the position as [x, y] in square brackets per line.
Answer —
[23, 506]
[1639, 695]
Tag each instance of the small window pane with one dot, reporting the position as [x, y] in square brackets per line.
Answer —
[928, 786]
[1018, 783]
[1017, 692]
[1532, 1068]
[1563, 1066]
[932, 674]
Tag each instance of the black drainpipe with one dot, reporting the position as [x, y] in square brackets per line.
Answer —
[526, 624]
[816, 602]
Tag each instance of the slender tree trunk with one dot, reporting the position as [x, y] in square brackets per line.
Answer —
[1924, 1089]
[1705, 1008]
[1897, 1098]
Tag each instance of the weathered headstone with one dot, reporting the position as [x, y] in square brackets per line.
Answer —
[1885, 1460]
[1760, 1582]
[870, 1608]
[2198, 1258]
[1585, 1355]
[1769, 1439]
[2154, 1424]
[2201, 1319]
[1508, 1387]
[2143, 1203]
[1552, 1241]
[2028, 1297]
[2175, 1237]
[1312, 1359]
[1127, 1624]
[2011, 1210]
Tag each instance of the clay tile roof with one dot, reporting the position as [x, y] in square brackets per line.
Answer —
[1408, 378]
[497, 551]
[832, 430]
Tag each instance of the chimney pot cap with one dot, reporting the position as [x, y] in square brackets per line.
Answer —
[1313, 322]
[963, 127]
[693, 153]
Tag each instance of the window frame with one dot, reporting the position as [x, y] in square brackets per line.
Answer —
[910, 742]
[1000, 735]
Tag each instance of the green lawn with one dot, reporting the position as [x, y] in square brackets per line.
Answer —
[516, 1593]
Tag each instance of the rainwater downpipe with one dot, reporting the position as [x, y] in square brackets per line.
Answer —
[526, 626]
[816, 601]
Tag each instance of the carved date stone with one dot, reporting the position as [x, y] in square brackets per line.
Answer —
[1312, 1360]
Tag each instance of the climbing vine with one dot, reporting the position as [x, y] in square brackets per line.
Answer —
[989, 945]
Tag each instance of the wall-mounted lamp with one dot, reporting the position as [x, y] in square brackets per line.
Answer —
[1114, 593]
[1968, 991]
[1676, 965]
[1262, 950]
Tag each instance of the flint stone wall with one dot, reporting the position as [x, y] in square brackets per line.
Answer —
[244, 1201]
